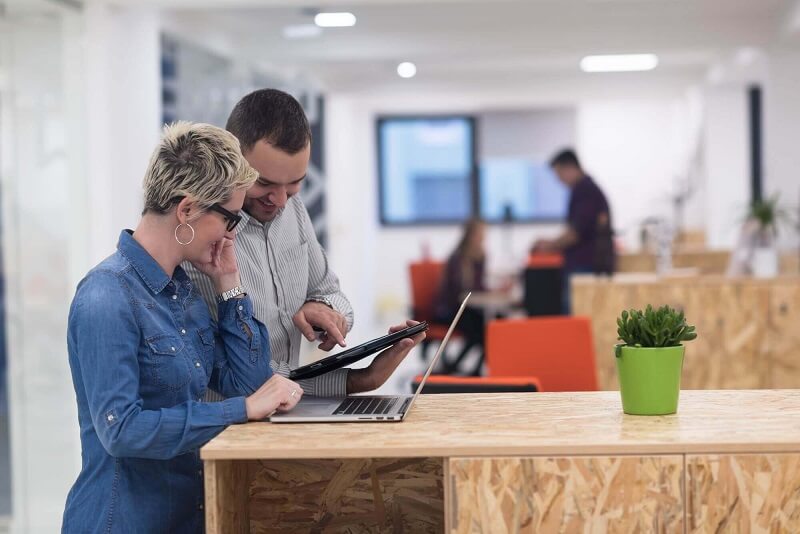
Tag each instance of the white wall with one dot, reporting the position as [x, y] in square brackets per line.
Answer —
[80, 116]
[781, 133]
[630, 137]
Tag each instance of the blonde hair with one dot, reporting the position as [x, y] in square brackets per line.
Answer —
[195, 160]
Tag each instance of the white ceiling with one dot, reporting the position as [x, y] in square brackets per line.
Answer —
[477, 42]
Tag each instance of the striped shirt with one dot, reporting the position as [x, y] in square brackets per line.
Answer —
[282, 265]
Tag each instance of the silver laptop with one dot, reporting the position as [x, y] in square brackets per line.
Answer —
[361, 408]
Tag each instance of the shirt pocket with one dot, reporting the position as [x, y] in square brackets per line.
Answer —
[207, 342]
[167, 362]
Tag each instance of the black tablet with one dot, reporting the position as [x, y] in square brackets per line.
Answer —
[349, 356]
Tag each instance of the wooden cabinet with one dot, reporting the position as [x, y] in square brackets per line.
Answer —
[728, 461]
[743, 493]
[567, 494]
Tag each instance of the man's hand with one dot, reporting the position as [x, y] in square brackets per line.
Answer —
[384, 364]
[331, 322]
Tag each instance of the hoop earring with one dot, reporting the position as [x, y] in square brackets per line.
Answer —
[176, 234]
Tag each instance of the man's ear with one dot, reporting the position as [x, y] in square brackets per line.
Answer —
[187, 210]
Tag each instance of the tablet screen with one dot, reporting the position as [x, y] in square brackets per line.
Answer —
[355, 354]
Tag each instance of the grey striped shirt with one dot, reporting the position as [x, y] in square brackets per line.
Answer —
[282, 265]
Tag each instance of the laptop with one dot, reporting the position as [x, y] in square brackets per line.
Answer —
[363, 408]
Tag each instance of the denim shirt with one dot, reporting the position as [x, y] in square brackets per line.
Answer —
[143, 350]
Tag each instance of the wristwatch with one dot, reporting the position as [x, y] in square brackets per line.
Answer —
[231, 293]
[324, 300]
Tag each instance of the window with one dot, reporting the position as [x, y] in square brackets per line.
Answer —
[494, 165]
[427, 169]
[520, 189]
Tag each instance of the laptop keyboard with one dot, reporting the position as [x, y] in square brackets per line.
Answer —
[365, 406]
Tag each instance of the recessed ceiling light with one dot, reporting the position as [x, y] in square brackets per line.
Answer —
[301, 31]
[335, 20]
[619, 63]
[406, 69]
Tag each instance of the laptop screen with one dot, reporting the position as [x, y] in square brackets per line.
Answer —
[439, 352]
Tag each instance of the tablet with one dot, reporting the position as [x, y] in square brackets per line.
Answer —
[354, 354]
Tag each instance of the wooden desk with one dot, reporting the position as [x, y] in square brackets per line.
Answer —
[540, 462]
[748, 334]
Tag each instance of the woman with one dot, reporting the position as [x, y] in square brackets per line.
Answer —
[465, 272]
[143, 349]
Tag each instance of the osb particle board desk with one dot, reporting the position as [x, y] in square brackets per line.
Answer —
[543, 462]
[748, 328]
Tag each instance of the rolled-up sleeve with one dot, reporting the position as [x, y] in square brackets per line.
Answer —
[242, 353]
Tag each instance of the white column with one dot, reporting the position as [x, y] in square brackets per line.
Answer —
[727, 162]
[781, 132]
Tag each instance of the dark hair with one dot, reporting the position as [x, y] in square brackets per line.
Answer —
[566, 157]
[470, 227]
[271, 115]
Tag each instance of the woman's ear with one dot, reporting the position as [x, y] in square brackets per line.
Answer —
[187, 210]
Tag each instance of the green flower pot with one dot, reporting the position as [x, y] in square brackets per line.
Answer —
[649, 379]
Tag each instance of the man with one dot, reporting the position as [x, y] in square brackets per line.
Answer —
[586, 243]
[282, 265]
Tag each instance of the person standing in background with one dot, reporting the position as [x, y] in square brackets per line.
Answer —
[587, 243]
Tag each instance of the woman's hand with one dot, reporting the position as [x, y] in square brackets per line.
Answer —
[222, 269]
[277, 394]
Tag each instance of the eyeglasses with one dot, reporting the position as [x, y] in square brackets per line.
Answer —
[231, 219]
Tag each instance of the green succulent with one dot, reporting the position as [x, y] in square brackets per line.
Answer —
[664, 327]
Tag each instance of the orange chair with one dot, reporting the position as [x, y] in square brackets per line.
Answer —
[426, 278]
[557, 350]
[476, 384]
[542, 260]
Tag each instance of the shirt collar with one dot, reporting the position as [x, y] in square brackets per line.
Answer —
[251, 222]
[148, 269]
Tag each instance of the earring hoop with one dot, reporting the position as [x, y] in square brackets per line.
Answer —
[176, 234]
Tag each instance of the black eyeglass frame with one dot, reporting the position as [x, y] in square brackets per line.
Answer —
[232, 219]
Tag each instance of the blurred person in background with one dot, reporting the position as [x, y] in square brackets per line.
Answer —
[587, 243]
[294, 290]
[143, 348]
[465, 271]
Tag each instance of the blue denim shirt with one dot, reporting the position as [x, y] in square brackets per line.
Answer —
[143, 351]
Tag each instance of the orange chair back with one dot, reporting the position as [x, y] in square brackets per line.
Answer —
[557, 350]
[426, 277]
[478, 383]
[545, 261]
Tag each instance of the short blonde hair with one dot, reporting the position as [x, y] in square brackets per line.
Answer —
[195, 160]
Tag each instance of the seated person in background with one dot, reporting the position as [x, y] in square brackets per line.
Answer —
[587, 241]
[143, 348]
[465, 271]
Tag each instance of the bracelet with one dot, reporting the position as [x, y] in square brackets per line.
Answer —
[231, 293]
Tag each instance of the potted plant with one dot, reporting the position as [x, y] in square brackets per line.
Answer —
[765, 215]
[650, 359]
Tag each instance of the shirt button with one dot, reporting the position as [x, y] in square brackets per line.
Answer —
[241, 308]
[110, 417]
[173, 349]
[199, 506]
[200, 472]
[183, 331]
[197, 364]
[174, 297]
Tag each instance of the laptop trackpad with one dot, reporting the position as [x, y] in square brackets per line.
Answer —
[315, 406]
